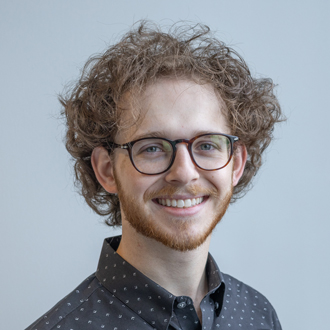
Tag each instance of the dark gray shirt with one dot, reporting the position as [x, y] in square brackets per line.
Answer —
[119, 297]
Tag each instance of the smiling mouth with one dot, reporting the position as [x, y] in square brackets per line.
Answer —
[180, 203]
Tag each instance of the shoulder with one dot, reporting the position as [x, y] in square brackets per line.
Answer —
[243, 302]
[91, 306]
[237, 290]
[67, 305]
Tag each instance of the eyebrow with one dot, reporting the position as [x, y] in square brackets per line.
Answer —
[162, 134]
[156, 134]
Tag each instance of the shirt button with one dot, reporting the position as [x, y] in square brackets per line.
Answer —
[181, 305]
[216, 305]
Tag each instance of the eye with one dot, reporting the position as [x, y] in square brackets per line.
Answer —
[146, 149]
[206, 147]
[152, 149]
[211, 145]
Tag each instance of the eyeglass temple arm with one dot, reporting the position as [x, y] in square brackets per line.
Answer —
[112, 145]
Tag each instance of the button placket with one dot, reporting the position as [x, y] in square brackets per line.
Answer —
[186, 314]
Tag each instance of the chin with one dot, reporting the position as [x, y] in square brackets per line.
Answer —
[177, 229]
[178, 234]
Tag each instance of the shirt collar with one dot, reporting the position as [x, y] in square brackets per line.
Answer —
[121, 278]
[216, 283]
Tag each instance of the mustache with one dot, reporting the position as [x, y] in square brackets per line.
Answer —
[172, 190]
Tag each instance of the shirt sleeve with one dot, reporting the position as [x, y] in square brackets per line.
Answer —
[276, 322]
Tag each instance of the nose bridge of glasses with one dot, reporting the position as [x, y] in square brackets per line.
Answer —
[188, 144]
[175, 142]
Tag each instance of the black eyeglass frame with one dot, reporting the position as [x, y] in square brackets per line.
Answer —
[129, 145]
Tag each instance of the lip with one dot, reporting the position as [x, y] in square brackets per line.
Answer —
[176, 211]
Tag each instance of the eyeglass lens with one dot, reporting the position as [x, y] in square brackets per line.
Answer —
[153, 156]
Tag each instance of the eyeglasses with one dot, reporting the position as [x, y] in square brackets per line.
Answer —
[151, 156]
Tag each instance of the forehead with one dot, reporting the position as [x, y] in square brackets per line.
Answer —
[174, 109]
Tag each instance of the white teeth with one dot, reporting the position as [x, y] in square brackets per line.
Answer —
[187, 203]
[180, 202]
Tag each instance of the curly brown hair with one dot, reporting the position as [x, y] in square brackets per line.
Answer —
[143, 55]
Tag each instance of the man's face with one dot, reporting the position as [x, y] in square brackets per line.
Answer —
[175, 109]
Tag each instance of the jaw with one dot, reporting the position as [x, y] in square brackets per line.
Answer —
[186, 229]
[179, 228]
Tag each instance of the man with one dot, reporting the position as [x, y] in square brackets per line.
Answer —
[166, 129]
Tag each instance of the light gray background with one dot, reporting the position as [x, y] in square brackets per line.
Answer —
[275, 239]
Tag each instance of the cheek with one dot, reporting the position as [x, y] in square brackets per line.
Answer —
[123, 166]
[132, 181]
[221, 179]
[123, 171]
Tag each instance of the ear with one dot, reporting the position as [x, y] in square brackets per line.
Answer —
[103, 169]
[240, 157]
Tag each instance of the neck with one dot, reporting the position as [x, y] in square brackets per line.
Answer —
[181, 273]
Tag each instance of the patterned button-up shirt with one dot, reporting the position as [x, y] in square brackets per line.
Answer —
[119, 297]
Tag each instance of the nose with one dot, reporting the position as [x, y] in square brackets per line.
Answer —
[183, 170]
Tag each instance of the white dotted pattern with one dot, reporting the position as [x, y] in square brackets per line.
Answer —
[119, 297]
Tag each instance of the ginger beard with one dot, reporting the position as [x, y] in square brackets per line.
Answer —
[146, 225]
